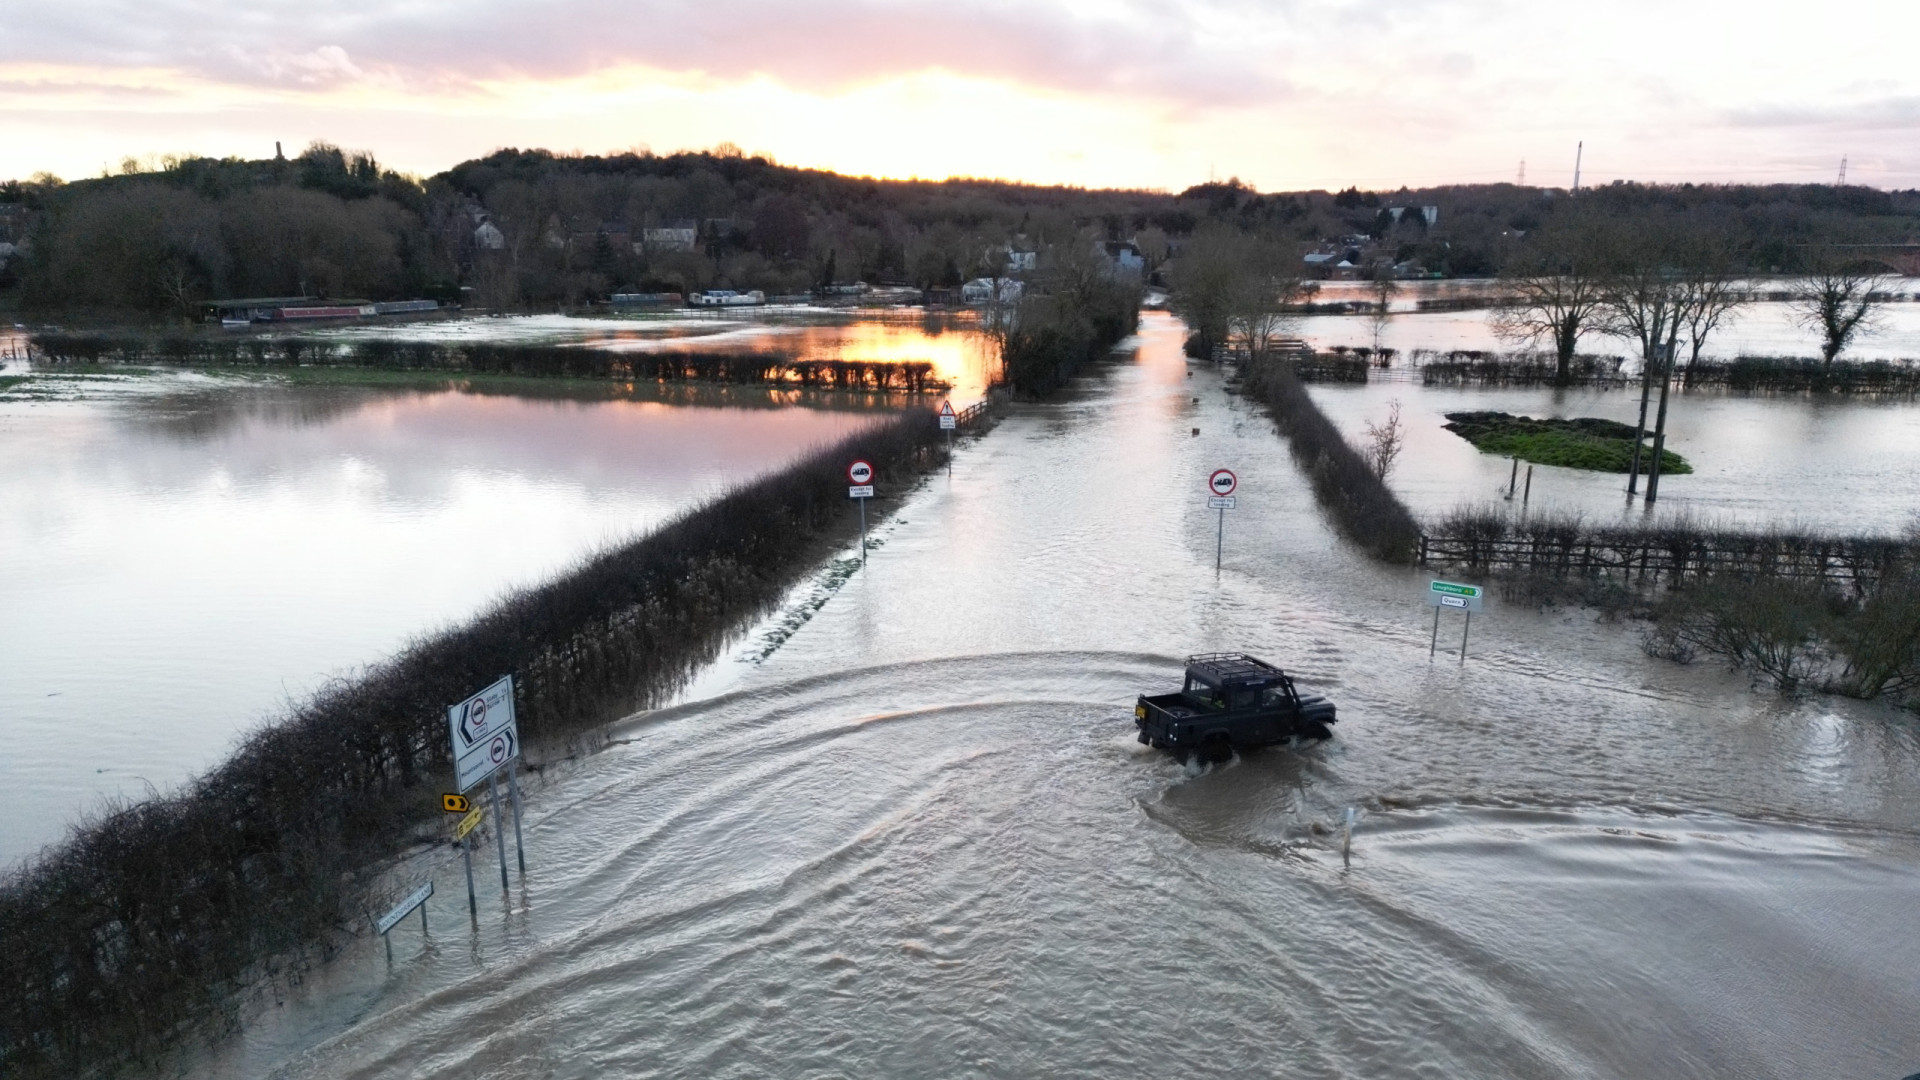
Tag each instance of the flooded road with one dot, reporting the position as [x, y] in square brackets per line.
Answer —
[919, 838]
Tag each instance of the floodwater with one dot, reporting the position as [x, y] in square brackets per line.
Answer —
[960, 356]
[1758, 329]
[1832, 464]
[919, 838]
[181, 556]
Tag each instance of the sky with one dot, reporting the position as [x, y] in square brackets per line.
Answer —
[1284, 94]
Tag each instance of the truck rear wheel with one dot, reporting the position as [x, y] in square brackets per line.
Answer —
[1215, 749]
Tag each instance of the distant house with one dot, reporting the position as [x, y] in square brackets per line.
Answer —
[1122, 258]
[1021, 261]
[678, 236]
[488, 237]
[1431, 213]
[981, 291]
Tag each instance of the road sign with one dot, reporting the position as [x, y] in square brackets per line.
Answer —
[484, 734]
[860, 491]
[404, 908]
[1452, 594]
[469, 823]
[455, 804]
[1221, 502]
[1222, 482]
[860, 473]
[948, 420]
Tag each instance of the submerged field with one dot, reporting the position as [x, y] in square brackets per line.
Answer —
[185, 552]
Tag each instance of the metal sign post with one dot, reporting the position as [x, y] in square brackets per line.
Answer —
[1451, 594]
[948, 421]
[1220, 487]
[499, 834]
[461, 833]
[860, 473]
[513, 791]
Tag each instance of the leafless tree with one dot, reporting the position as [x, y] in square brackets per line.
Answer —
[1383, 287]
[1385, 441]
[1839, 302]
[1557, 293]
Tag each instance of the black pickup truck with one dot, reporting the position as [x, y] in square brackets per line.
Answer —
[1231, 701]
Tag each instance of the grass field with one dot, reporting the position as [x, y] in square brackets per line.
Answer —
[1584, 443]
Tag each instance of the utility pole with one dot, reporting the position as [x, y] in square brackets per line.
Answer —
[1843, 170]
[1579, 151]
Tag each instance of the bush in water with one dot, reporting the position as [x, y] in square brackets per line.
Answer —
[151, 914]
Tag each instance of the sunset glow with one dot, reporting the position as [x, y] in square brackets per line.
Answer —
[1308, 94]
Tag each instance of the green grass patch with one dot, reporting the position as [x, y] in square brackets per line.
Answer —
[1584, 443]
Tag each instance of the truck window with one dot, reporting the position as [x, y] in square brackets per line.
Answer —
[1242, 699]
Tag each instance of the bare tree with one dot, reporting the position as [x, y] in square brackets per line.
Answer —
[1838, 302]
[1383, 287]
[1385, 441]
[1667, 280]
[1557, 293]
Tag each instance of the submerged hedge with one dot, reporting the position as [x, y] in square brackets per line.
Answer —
[149, 917]
[1362, 507]
[489, 358]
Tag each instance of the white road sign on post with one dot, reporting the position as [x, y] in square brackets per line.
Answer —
[1220, 497]
[948, 418]
[484, 734]
[860, 473]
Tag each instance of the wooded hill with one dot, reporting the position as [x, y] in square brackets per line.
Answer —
[528, 229]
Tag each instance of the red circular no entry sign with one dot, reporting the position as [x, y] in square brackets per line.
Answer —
[860, 472]
[1222, 482]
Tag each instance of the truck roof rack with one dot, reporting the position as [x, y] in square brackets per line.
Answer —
[1231, 669]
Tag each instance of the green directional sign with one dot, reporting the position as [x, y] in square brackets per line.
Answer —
[1452, 594]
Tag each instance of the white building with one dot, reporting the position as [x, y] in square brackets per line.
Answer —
[679, 236]
[488, 237]
[981, 291]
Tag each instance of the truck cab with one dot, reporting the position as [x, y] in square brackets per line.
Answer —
[1229, 702]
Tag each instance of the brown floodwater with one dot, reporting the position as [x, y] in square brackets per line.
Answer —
[918, 838]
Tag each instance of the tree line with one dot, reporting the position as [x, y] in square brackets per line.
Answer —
[532, 230]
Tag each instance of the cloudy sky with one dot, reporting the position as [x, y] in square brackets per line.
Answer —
[1283, 93]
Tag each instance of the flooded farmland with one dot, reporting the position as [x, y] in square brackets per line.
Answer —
[920, 838]
[183, 554]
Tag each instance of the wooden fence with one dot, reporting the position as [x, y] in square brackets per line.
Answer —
[1853, 565]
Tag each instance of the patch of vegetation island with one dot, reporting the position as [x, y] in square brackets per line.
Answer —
[1586, 442]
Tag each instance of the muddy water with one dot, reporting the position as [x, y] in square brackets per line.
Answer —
[919, 838]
